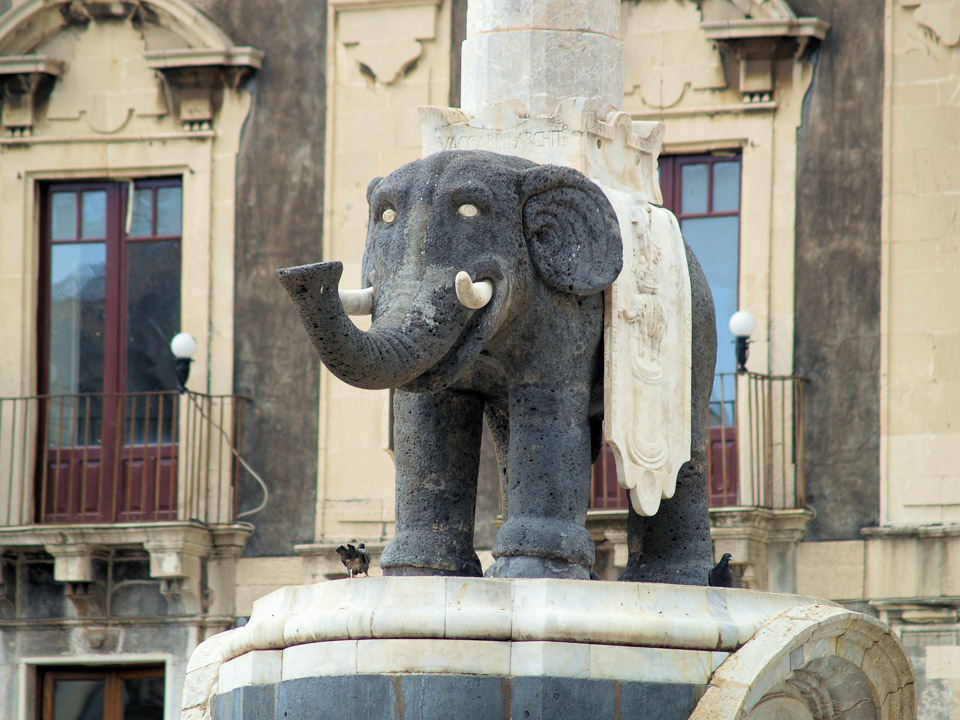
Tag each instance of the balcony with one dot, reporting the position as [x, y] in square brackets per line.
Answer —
[82, 472]
[755, 470]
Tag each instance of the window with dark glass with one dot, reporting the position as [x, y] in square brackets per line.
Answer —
[110, 302]
[91, 693]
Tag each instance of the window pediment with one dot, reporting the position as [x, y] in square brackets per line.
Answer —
[755, 33]
[82, 66]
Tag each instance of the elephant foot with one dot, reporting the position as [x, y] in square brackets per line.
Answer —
[413, 552]
[682, 574]
[529, 566]
[468, 570]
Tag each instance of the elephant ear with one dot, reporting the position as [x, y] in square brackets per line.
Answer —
[571, 229]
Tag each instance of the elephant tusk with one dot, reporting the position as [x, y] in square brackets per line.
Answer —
[473, 295]
[357, 302]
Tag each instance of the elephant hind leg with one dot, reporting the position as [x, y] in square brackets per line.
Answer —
[674, 545]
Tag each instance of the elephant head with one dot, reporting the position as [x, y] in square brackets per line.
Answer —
[460, 245]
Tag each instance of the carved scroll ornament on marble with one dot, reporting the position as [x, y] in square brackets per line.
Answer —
[647, 355]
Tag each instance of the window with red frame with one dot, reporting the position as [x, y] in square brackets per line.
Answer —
[109, 304]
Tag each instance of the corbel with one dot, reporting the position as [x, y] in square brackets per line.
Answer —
[757, 43]
[72, 561]
[24, 81]
[177, 560]
[193, 79]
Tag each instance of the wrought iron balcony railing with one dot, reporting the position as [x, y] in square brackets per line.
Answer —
[755, 447]
[118, 457]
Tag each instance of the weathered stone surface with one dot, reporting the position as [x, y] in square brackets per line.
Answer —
[528, 610]
[602, 16]
[837, 269]
[538, 68]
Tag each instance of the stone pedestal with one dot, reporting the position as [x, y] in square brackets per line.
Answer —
[436, 647]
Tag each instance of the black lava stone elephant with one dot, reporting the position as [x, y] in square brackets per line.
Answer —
[485, 276]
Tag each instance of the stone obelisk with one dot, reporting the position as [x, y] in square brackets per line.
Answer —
[539, 53]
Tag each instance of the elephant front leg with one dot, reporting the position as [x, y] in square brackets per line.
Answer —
[548, 486]
[437, 452]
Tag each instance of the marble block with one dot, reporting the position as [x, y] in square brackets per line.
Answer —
[540, 68]
[599, 16]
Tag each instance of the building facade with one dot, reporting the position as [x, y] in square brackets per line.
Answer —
[160, 159]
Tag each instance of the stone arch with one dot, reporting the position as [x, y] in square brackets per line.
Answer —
[819, 662]
[31, 23]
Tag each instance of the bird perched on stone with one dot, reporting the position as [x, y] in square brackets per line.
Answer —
[722, 575]
[355, 559]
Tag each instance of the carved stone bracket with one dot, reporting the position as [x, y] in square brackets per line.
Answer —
[194, 79]
[748, 534]
[24, 81]
[756, 43]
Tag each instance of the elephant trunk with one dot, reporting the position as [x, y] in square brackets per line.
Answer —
[400, 346]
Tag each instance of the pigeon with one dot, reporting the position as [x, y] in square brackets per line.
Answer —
[722, 575]
[355, 559]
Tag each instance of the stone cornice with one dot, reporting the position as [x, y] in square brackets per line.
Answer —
[755, 43]
[173, 546]
[915, 531]
[192, 58]
[731, 30]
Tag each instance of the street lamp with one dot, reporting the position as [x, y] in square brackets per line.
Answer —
[742, 324]
[183, 347]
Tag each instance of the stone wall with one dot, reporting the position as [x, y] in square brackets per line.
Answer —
[837, 273]
[280, 206]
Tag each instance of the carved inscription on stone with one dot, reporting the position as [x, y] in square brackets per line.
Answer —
[504, 141]
[647, 354]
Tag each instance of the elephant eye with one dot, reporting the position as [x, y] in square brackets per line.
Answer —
[468, 210]
[389, 215]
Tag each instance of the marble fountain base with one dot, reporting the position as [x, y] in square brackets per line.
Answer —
[424, 648]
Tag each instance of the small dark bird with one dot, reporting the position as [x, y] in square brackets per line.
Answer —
[355, 559]
[722, 575]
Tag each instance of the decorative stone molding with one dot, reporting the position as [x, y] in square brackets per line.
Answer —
[941, 18]
[629, 614]
[193, 74]
[193, 77]
[385, 37]
[177, 553]
[757, 34]
[24, 81]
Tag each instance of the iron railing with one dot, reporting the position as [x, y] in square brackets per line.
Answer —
[118, 457]
[755, 446]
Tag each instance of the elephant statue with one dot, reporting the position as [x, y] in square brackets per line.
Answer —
[484, 274]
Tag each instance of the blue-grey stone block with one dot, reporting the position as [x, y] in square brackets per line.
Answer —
[222, 706]
[441, 697]
[253, 702]
[659, 701]
[346, 697]
[534, 698]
